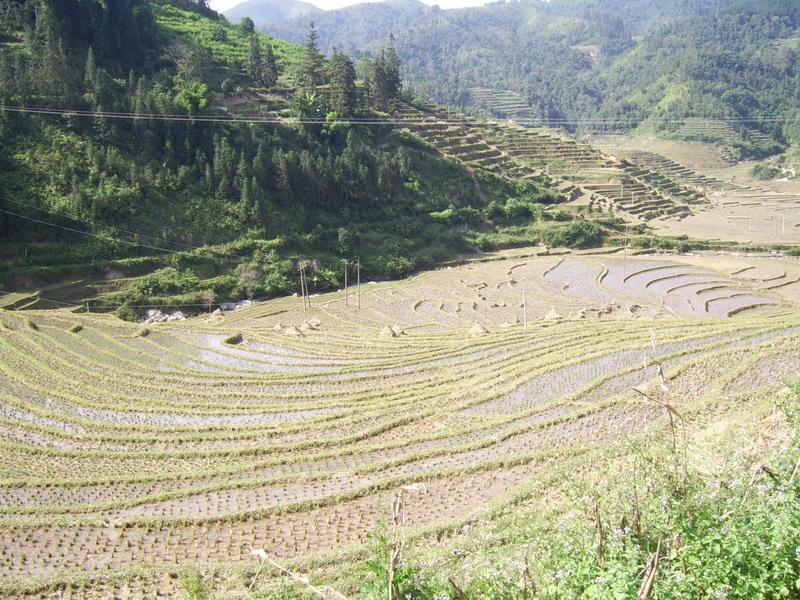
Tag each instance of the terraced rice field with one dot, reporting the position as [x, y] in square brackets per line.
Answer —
[735, 209]
[600, 181]
[129, 453]
[505, 104]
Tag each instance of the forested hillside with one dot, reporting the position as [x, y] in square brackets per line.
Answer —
[161, 159]
[605, 66]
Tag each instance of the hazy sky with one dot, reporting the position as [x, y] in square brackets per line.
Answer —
[222, 5]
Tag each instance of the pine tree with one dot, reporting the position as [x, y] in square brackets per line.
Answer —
[270, 71]
[246, 203]
[377, 81]
[342, 76]
[392, 67]
[385, 79]
[313, 65]
[242, 177]
[261, 167]
[254, 64]
[90, 71]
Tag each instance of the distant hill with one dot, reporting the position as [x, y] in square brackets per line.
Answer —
[355, 29]
[626, 63]
[267, 14]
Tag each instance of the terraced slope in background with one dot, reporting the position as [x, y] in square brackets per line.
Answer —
[737, 209]
[291, 430]
[523, 152]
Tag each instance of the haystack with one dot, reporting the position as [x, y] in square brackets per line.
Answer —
[218, 313]
[478, 329]
[388, 332]
[552, 315]
[277, 327]
[315, 323]
[397, 331]
[292, 330]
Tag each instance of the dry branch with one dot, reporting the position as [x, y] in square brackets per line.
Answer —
[459, 593]
[650, 573]
[325, 592]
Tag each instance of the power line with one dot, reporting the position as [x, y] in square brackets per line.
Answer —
[278, 120]
[86, 221]
[115, 306]
[95, 235]
[42, 299]
[111, 239]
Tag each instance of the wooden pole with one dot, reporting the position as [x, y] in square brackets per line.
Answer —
[625, 253]
[345, 283]
[524, 306]
[358, 282]
[308, 294]
[302, 288]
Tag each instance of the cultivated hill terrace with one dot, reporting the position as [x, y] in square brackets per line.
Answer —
[291, 427]
[468, 366]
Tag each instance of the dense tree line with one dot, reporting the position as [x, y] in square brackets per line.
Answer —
[186, 181]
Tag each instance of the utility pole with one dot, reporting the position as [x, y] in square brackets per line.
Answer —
[524, 306]
[302, 287]
[358, 282]
[625, 253]
[308, 293]
[345, 283]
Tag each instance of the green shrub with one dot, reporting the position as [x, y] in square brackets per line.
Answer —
[194, 587]
[484, 242]
[407, 580]
[578, 234]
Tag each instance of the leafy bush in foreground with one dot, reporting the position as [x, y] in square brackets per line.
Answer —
[735, 537]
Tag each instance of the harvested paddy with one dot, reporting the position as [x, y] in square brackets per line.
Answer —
[178, 448]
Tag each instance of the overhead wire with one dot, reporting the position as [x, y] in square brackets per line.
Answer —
[122, 241]
[370, 120]
[93, 223]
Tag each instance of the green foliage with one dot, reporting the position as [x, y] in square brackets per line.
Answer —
[578, 234]
[406, 580]
[232, 51]
[764, 171]
[342, 77]
[146, 192]
[384, 81]
[194, 587]
[312, 70]
[730, 535]
[193, 98]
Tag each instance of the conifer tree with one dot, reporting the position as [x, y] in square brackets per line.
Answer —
[254, 62]
[270, 71]
[312, 69]
[342, 75]
[90, 71]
